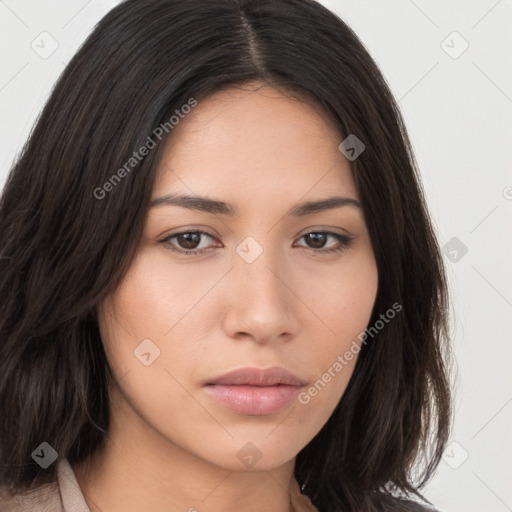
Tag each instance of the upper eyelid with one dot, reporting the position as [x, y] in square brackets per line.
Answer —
[189, 231]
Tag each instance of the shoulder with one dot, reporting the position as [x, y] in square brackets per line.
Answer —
[42, 497]
[60, 495]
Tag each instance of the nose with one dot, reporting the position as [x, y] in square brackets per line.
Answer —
[260, 304]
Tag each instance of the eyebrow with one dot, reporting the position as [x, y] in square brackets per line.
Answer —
[205, 204]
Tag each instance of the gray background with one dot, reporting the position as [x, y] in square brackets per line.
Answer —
[457, 104]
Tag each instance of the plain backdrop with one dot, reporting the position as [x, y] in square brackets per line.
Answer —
[449, 65]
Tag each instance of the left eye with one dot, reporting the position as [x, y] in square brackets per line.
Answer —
[319, 238]
[189, 242]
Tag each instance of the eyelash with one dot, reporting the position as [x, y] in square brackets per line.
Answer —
[344, 242]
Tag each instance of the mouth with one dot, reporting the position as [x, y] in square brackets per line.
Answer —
[253, 391]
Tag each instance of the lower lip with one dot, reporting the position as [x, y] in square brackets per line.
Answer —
[254, 400]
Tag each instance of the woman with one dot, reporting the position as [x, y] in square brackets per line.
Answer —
[221, 288]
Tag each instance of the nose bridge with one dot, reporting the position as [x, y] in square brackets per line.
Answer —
[259, 268]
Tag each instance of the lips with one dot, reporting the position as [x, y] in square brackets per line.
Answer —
[256, 377]
[253, 391]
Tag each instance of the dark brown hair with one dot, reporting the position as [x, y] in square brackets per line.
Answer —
[63, 248]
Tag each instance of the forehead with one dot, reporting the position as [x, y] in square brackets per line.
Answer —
[252, 142]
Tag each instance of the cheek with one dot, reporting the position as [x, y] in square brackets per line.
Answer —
[144, 331]
[156, 296]
[342, 299]
[158, 310]
[343, 295]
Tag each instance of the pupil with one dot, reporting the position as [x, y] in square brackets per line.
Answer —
[191, 240]
[318, 240]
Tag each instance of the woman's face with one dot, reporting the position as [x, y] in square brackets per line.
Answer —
[269, 287]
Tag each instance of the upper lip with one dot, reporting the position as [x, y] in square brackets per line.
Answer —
[258, 377]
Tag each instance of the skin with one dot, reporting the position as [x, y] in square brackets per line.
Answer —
[171, 446]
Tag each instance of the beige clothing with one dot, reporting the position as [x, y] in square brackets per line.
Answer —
[65, 495]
